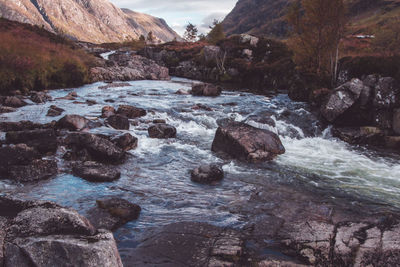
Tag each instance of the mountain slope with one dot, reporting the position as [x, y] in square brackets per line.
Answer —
[96, 21]
[267, 17]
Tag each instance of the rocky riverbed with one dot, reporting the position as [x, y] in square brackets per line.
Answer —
[134, 158]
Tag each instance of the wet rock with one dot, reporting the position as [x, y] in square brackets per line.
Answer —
[386, 93]
[13, 101]
[125, 141]
[182, 92]
[246, 142]
[95, 172]
[73, 123]
[392, 142]
[159, 121]
[129, 67]
[37, 170]
[70, 96]
[206, 174]
[3, 223]
[40, 97]
[46, 234]
[54, 111]
[114, 85]
[8, 126]
[12, 155]
[342, 98]
[162, 131]
[118, 122]
[202, 107]
[206, 89]
[112, 213]
[131, 112]
[99, 148]
[188, 244]
[360, 135]
[44, 140]
[107, 111]
[383, 118]
[7, 109]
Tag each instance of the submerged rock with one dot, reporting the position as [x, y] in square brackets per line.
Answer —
[360, 135]
[206, 174]
[206, 89]
[112, 213]
[46, 234]
[118, 122]
[95, 172]
[246, 142]
[131, 112]
[162, 131]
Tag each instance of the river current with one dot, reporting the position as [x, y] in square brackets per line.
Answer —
[156, 175]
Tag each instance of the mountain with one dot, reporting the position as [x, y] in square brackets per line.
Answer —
[96, 21]
[267, 17]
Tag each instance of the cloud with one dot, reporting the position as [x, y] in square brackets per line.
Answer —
[178, 13]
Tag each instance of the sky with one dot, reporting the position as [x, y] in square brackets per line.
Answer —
[178, 13]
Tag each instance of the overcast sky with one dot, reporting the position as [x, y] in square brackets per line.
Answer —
[178, 13]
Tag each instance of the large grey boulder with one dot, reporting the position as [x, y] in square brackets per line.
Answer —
[35, 233]
[343, 98]
[245, 142]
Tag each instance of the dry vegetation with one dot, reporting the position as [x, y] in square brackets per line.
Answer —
[33, 59]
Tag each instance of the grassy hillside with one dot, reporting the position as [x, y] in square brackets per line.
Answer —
[32, 58]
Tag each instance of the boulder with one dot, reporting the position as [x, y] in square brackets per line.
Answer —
[46, 234]
[44, 140]
[162, 131]
[20, 154]
[13, 101]
[131, 112]
[54, 111]
[386, 93]
[40, 97]
[159, 121]
[112, 213]
[392, 142]
[64, 251]
[118, 122]
[182, 92]
[206, 174]
[210, 53]
[396, 121]
[98, 147]
[360, 135]
[73, 123]
[245, 142]
[125, 141]
[95, 172]
[107, 111]
[342, 98]
[206, 89]
[37, 170]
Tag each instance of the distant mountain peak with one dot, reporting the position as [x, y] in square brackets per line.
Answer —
[96, 21]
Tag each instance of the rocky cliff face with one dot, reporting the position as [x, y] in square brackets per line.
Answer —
[267, 17]
[97, 21]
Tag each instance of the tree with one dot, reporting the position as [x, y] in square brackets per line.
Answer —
[317, 27]
[190, 33]
[217, 32]
[150, 38]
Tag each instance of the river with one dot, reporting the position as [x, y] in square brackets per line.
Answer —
[156, 175]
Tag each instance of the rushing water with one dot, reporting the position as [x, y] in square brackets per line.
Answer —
[156, 176]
